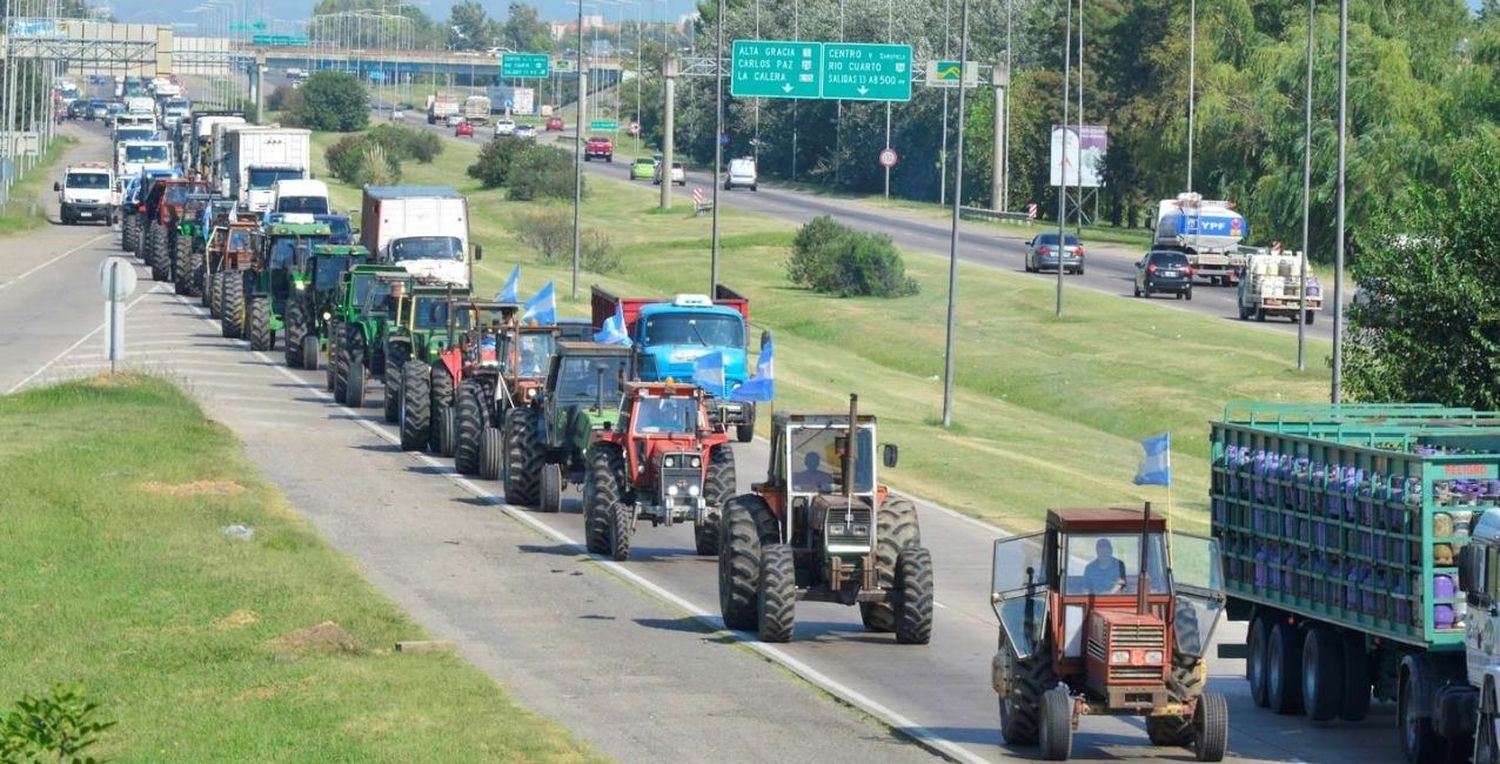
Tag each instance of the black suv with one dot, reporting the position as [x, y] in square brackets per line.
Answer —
[1164, 271]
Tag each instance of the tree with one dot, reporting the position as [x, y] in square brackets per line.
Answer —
[332, 101]
[469, 28]
[524, 31]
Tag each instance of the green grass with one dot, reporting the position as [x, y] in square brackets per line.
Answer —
[1048, 411]
[116, 574]
[26, 210]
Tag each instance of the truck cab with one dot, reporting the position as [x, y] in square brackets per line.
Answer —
[87, 192]
[131, 157]
[298, 195]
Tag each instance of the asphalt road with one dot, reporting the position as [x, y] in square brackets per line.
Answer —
[628, 655]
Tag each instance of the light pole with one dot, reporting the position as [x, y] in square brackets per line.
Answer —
[1338, 245]
[1306, 193]
[713, 258]
[1192, 82]
[1062, 185]
[578, 156]
[1005, 145]
[890, 35]
[943, 149]
[958, 195]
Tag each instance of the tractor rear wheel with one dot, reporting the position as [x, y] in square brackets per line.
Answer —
[601, 492]
[352, 364]
[182, 270]
[896, 529]
[1057, 724]
[1211, 727]
[745, 526]
[718, 489]
[914, 596]
[523, 457]
[296, 328]
[232, 309]
[261, 336]
[1021, 708]
[416, 405]
[215, 289]
[130, 233]
[391, 400]
[440, 439]
[470, 416]
[491, 448]
[159, 256]
[776, 596]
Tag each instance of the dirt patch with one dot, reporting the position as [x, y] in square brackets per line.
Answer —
[326, 637]
[239, 619]
[195, 488]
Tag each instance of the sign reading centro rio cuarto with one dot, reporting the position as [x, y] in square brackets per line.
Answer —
[826, 70]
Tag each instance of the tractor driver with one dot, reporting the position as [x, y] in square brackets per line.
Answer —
[659, 415]
[398, 289]
[1106, 574]
[812, 477]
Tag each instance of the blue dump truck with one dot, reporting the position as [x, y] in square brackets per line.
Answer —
[670, 334]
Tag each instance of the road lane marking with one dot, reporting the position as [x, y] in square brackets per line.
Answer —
[18, 279]
[81, 340]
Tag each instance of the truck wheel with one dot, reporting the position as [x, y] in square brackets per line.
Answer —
[914, 596]
[523, 457]
[469, 414]
[1419, 741]
[1211, 727]
[1486, 747]
[1284, 669]
[1322, 673]
[746, 432]
[1020, 710]
[232, 309]
[550, 499]
[416, 406]
[440, 441]
[1244, 313]
[1357, 686]
[601, 492]
[1260, 314]
[310, 352]
[261, 337]
[490, 447]
[718, 489]
[1056, 737]
[896, 529]
[621, 525]
[776, 596]
[745, 525]
[1310, 316]
[1257, 643]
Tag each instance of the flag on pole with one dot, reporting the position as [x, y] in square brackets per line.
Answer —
[613, 332]
[1156, 466]
[761, 387]
[541, 309]
[512, 290]
[708, 373]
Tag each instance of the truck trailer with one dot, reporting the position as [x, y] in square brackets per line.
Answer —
[1209, 232]
[257, 157]
[424, 229]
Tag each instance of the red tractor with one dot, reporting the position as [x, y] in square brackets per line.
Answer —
[1101, 615]
[161, 212]
[664, 462]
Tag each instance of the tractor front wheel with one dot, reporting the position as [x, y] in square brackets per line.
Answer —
[232, 307]
[914, 596]
[440, 439]
[296, 328]
[416, 405]
[158, 256]
[896, 529]
[195, 272]
[182, 270]
[352, 364]
[470, 416]
[776, 596]
[1021, 707]
[310, 352]
[1057, 724]
[601, 492]
[621, 526]
[261, 336]
[214, 288]
[1211, 727]
[550, 500]
[491, 446]
[718, 489]
[523, 457]
[745, 526]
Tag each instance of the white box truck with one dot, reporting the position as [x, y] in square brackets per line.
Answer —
[260, 156]
[424, 229]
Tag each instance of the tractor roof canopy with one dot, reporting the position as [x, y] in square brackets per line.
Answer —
[340, 250]
[298, 229]
[1103, 519]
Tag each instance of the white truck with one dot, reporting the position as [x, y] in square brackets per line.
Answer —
[300, 196]
[131, 157]
[175, 110]
[1208, 231]
[205, 132]
[441, 106]
[476, 110]
[140, 105]
[258, 157]
[87, 192]
[1272, 286]
[424, 229]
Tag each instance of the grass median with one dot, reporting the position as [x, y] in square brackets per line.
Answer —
[1048, 411]
[27, 209]
[118, 573]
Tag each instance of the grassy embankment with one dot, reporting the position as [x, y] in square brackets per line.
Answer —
[27, 210]
[205, 647]
[1048, 411]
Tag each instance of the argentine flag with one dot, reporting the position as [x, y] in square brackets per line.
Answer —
[761, 387]
[708, 373]
[511, 292]
[541, 309]
[613, 332]
[1156, 466]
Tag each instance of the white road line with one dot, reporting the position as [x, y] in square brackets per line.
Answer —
[18, 279]
[81, 340]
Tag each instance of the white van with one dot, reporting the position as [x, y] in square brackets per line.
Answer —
[86, 192]
[741, 173]
[307, 196]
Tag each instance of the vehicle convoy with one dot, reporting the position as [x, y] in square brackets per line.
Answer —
[599, 147]
[315, 287]
[268, 283]
[424, 229]
[547, 440]
[1346, 534]
[665, 463]
[502, 365]
[429, 386]
[86, 192]
[441, 106]
[231, 248]
[1104, 614]
[1209, 232]
[160, 212]
[428, 319]
[668, 336]
[258, 157]
[822, 528]
[1272, 286]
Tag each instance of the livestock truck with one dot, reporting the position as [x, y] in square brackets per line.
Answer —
[424, 229]
[1360, 542]
[201, 137]
[257, 157]
[1209, 232]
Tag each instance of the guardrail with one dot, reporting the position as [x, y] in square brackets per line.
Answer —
[979, 213]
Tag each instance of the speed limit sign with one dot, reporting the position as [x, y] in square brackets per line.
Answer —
[888, 157]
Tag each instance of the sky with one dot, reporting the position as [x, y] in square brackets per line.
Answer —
[176, 11]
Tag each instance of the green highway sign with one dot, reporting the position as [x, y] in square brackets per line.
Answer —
[776, 69]
[605, 125]
[866, 71]
[278, 40]
[530, 65]
[564, 65]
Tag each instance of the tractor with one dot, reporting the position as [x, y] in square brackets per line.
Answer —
[133, 208]
[185, 242]
[429, 319]
[1101, 615]
[808, 533]
[357, 337]
[220, 213]
[315, 287]
[161, 209]
[546, 441]
[665, 462]
[268, 282]
[505, 367]
[429, 384]
[231, 249]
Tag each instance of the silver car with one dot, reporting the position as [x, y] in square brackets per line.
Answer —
[1042, 254]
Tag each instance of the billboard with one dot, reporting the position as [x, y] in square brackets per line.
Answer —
[1070, 154]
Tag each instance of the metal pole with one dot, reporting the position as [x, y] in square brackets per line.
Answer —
[713, 255]
[958, 195]
[1005, 145]
[796, 35]
[583, 88]
[669, 81]
[755, 143]
[1079, 200]
[1306, 194]
[1192, 82]
[1338, 245]
[1062, 182]
[943, 148]
[838, 119]
[890, 36]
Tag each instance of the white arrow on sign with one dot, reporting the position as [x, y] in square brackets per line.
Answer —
[863, 90]
[787, 88]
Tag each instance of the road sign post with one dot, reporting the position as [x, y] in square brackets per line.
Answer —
[888, 157]
[526, 65]
[866, 71]
[820, 70]
[116, 282]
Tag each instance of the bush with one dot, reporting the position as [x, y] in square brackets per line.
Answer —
[492, 167]
[332, 101]
[597, 253]
[407, 143]
[377, 168]
[548, 231]
[831, 258]
[541, 172]
[285, 99]
[344, 157]
[58, 726]
[359, 160]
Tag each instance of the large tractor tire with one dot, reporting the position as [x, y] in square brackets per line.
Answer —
[1021, 708]
[440, 439]
[310, 352]
[295, 329]
[747, 525]
[470, 419]
[159, 257]
[1056, 739]
[896, 529]
[232, 307]
[621, 528]
[330, 383]
[776, 597]
[214, 288]
[182, 266]
[352, 366]
[549, 497]
[491, 453]
[718, 489]
[523, 457]
[913, 596]
[130, 233]
[396, 355]
[261, 336]
[416, 405]
[602, 489]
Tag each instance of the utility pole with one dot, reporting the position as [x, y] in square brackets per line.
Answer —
[713, 255]
[1306, 193]
[1337, 393]
[583, 92]
[1000, 78]
[890, 34]
[1005, 149]
[669, 82]
[943, 150]
[1192, 83]
[958, 195]
[1062, 182]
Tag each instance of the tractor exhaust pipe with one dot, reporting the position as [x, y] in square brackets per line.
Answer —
[1143, 584]
[849, 446]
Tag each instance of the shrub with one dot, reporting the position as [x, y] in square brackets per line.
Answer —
[597, 253]
[548, 231]
[492, 167]
[360, 159]
[408, 143]
[284, 98]
[377, 168]
[58, 726]
[541, 172]
[332, 101]
[344, 157]
[831, 258]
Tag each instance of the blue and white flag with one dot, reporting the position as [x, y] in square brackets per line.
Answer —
[708, 373]
[512, 290]
[541, 309]
[761, 387]
[1156, 466]
[613, 332]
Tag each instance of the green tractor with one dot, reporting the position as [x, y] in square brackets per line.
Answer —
[315, 287]
[355, 286]
[187, 238]
[268, 282]
[357, 344]
[429, 319]
[547, 440]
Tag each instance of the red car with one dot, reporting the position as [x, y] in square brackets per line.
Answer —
[463, 130]
[599, 147]
[554, 123]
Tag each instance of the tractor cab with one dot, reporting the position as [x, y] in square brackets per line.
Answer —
[316, 278]
[168, 197]
[1116, 614]
[280, 249]
[322, 268]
